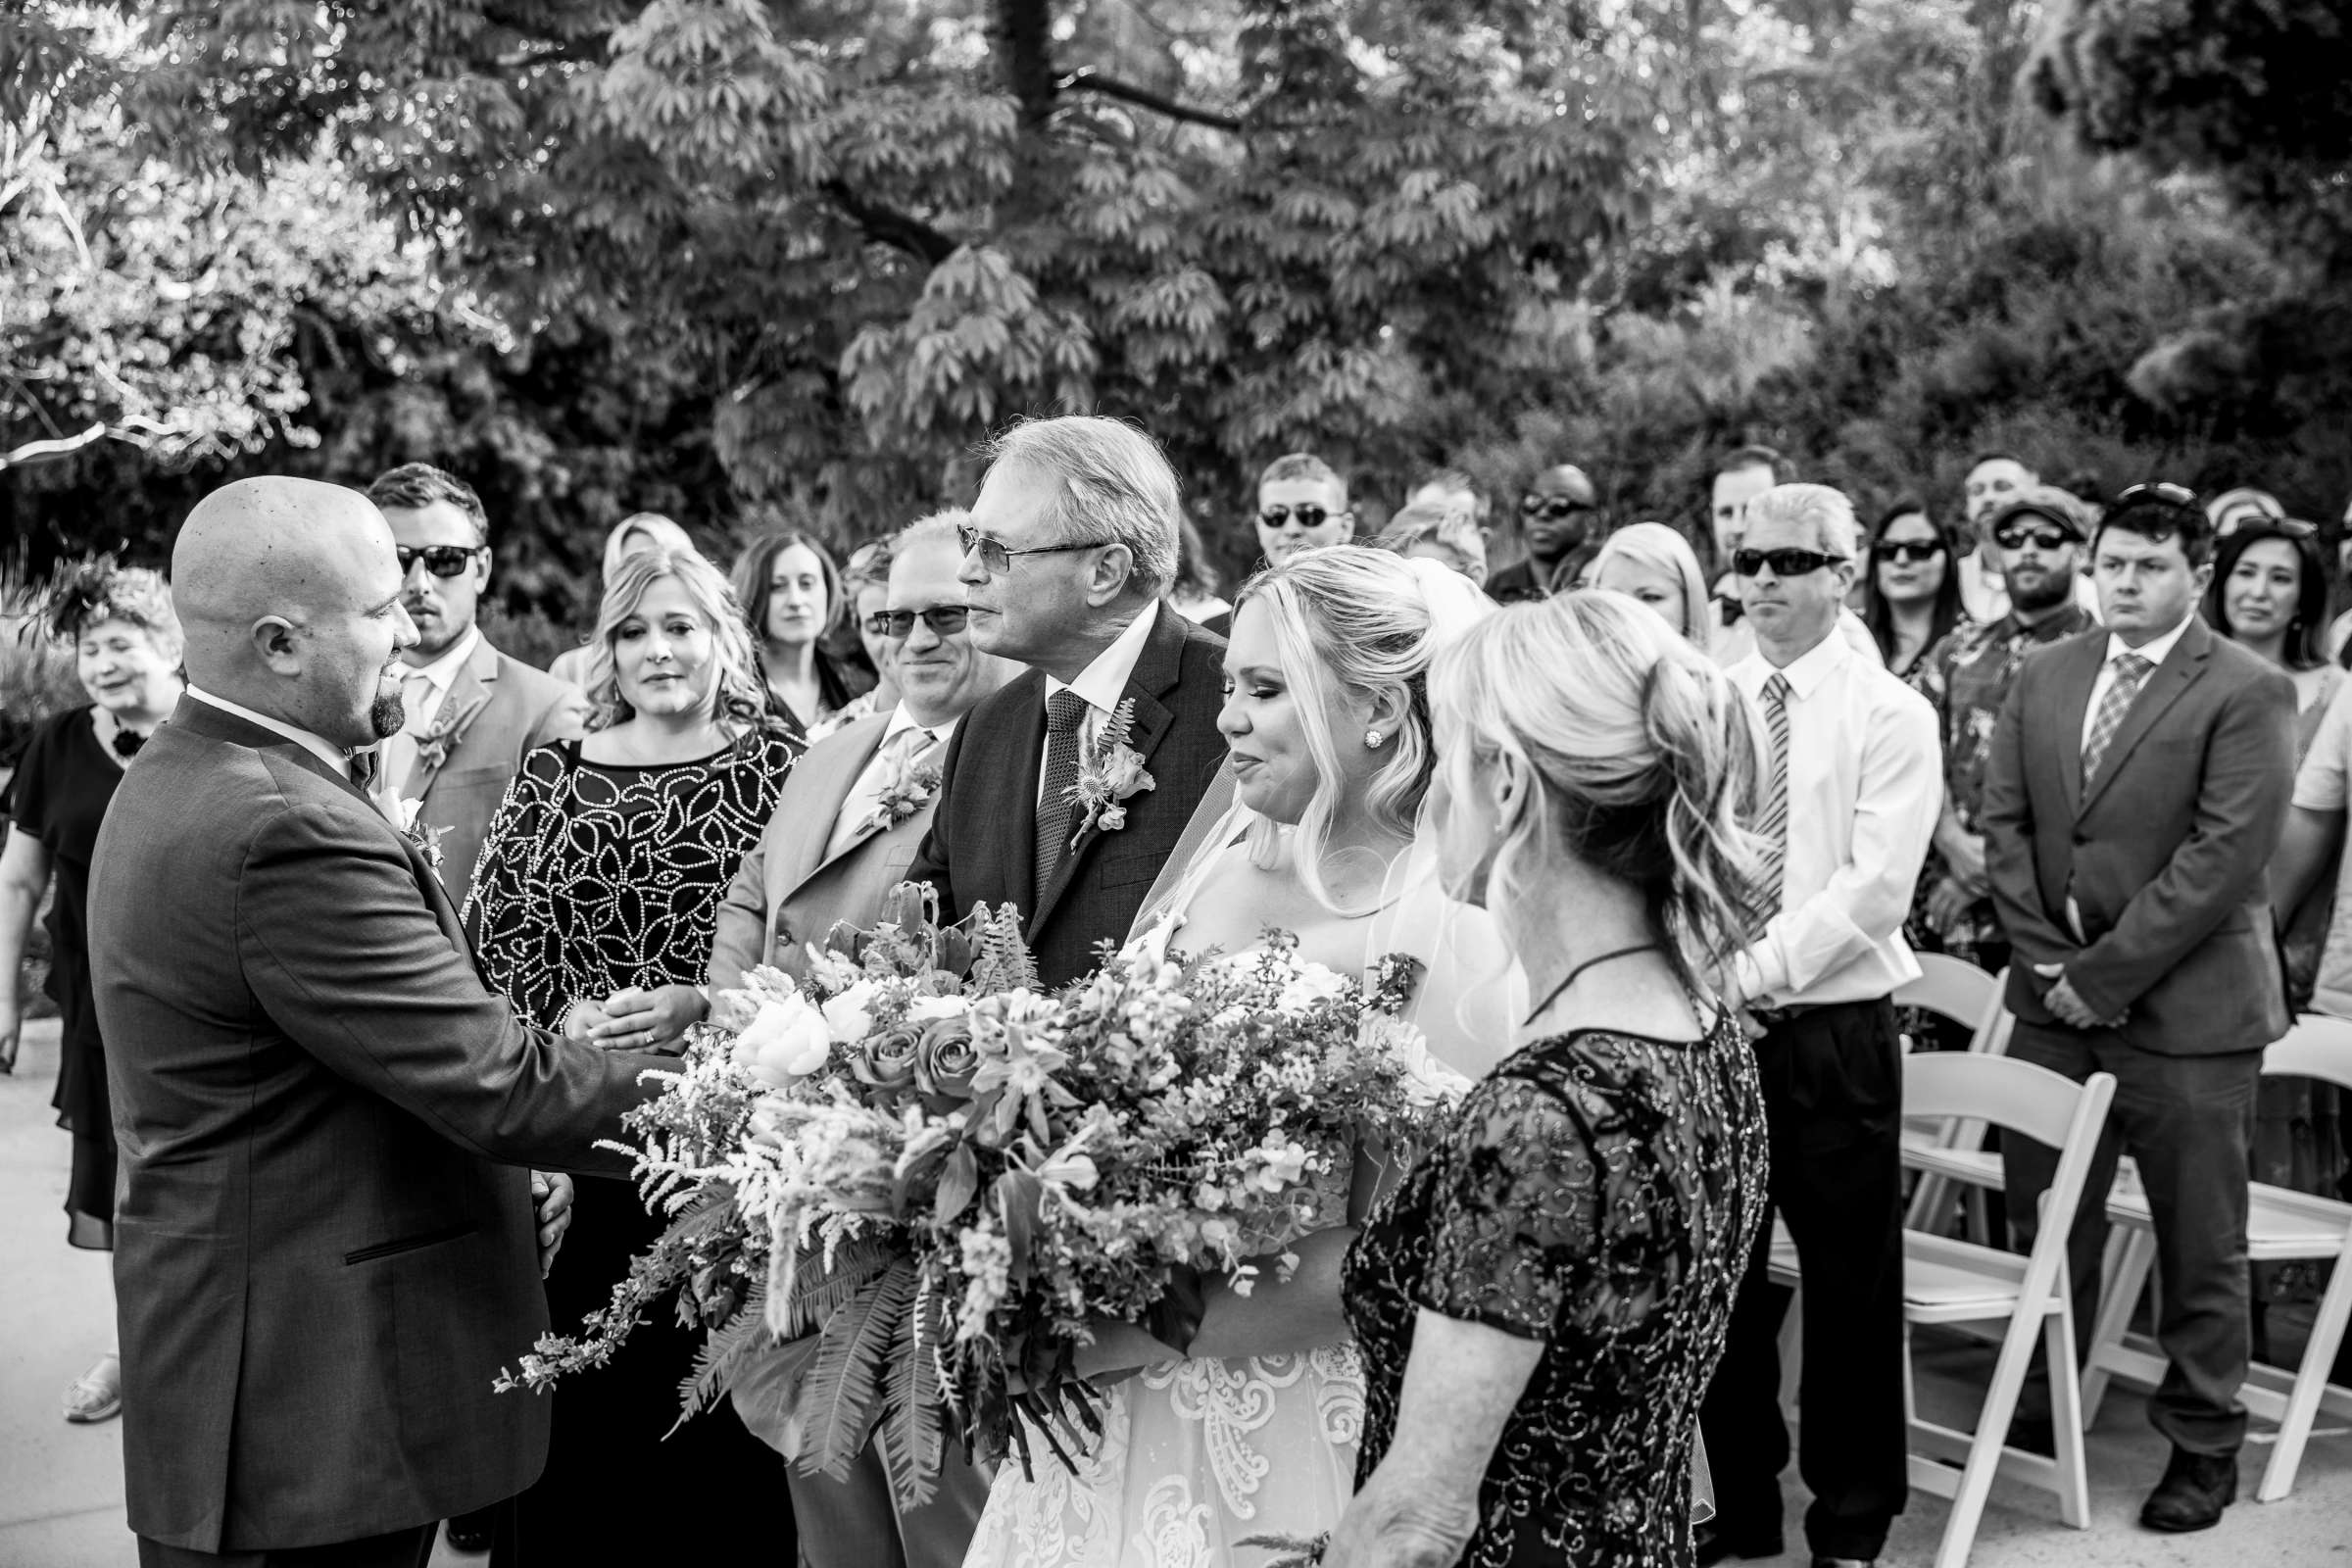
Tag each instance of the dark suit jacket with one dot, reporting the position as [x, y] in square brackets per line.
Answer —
[325, 1248]
[2163, 853]
[497, 710]
[984, 823]
[787, 892]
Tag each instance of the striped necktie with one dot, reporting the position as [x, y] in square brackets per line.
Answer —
[1772, 824]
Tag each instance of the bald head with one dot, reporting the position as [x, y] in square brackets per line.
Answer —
[291, 593]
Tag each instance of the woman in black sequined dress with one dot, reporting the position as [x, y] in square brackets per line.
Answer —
[1541, 1302]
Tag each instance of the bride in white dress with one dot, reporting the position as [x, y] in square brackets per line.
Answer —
[1250, 1427]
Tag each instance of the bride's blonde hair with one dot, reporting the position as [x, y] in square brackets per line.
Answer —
[1645, 758]
[1349, 623]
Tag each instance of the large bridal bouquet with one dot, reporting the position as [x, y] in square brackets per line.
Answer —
[945, 1175]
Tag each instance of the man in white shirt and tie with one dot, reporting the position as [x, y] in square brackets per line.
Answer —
[1852, 798]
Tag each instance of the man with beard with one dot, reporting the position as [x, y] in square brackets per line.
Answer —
[2038, 537]
[325, 1243]
[1555, 522]
[471, 713]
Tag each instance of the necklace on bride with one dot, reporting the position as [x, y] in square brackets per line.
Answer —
[1577, 973]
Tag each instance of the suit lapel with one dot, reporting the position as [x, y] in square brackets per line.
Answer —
[2075, 680]
[835, 771]
[1157, 670]
[468, 694]
[824, 862]
[2157, 693]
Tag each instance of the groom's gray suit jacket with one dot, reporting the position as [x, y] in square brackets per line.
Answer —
[325, 1248]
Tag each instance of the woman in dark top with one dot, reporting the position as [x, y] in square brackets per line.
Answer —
[126, 645]
[593, 908]
[1911, 593]
[1541, 1302]
[792, 600]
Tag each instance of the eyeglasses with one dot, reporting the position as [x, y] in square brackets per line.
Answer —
[442, 560]
[899, 624]
[1784, 562]
[2012, 536]
[1911, 552]
[1550, 508]
[999, 559]
[1308, 517]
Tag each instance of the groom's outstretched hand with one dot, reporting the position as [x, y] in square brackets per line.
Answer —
[550, 1204]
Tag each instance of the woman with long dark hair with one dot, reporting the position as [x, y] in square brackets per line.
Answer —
[1911, 597]
[792, 598]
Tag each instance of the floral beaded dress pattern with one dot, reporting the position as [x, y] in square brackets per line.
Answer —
[1599, 1192]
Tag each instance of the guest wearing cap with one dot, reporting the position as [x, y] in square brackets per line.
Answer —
[2040, 539]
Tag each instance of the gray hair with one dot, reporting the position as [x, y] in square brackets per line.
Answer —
[1826, 511]
[1111, 484]
[939, 526]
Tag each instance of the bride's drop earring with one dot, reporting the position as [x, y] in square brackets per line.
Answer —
[1372, 739]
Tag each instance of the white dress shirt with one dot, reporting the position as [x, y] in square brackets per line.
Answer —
[866, 792]
[400, 750]
[327, 752]
[1865, 787]
[1730, 644]
[2156, 649]
[1104, 685]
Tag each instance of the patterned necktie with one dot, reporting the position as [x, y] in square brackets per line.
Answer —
[1772, 824]
[1065, 716]
[2131, 669]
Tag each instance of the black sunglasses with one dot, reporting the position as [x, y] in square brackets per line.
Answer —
[2016, 536]
[1911, 552]
[999, 559]
[1308, 517]
[899, 624]
[1550, 508]
[1784, 562]
[442, 560]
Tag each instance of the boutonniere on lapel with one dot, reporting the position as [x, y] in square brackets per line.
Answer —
[442, 735]
[423, 835]
[1111, 774]
[907, 787]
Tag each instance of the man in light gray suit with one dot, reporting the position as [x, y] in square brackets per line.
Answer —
[846, 826]
[471, 711]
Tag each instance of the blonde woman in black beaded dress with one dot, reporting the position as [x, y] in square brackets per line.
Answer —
[593, 909]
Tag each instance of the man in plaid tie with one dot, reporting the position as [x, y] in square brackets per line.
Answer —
[2137, 785]
[1852, 797]
[1070, 546]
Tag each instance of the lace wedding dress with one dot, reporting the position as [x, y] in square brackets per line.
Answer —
[1197, 1456]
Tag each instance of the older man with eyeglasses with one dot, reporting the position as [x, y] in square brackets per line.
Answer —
[1851, 799]
[1070, 546]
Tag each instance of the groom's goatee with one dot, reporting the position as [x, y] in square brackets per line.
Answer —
[386, 714]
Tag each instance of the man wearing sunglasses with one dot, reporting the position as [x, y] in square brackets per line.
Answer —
[1557, 517]
[470, 711]
[846, 826]
[1071, 544]
[1301, 503]
[2139, 781]
[2038, 538]
[1851, 791]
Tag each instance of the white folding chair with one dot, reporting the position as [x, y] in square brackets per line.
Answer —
[1954, 989]
[1947, 1280]
[2282, 1225]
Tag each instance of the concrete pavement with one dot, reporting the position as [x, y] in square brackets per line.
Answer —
[61, 1487]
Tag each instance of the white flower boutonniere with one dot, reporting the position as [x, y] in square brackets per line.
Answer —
[907, 787]
[424, 836]
[1113, 772]
[443, 734]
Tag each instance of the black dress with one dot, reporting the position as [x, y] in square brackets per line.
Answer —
[1598, 1191]
[595, 877]
[58, 797]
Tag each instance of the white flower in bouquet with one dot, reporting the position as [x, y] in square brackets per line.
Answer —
[787, 1038]
[1311, 986]
[849, 1015]
[930, 1009]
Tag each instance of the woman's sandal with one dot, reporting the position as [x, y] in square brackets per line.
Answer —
[96, 1395]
